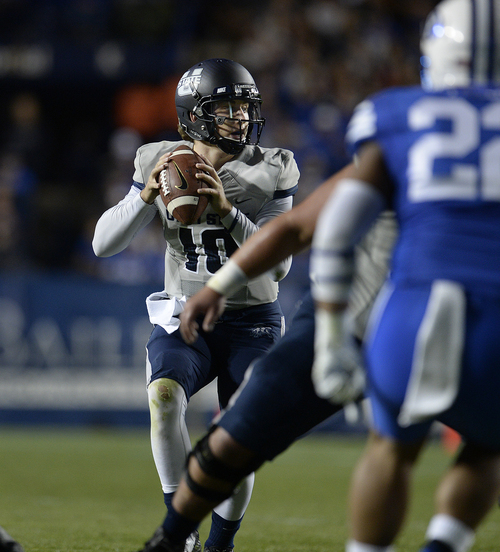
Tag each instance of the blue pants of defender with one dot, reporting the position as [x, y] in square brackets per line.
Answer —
[278, 404]
[475, 412]
[238, 338]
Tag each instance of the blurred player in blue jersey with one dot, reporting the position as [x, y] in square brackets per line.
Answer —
[218, 105]
[277, 404]
[433, 349]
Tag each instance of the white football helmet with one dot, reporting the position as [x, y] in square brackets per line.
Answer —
[460, 44]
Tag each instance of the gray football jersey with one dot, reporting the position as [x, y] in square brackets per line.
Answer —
[259, 183]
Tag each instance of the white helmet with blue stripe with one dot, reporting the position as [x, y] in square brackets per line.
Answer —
[460, 44]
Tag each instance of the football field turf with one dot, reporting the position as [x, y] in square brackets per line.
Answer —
[97, 490]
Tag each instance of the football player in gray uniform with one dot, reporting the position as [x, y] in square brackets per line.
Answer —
[277, 403]
[218, 106]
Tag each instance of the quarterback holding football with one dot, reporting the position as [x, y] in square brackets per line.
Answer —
[218, 106]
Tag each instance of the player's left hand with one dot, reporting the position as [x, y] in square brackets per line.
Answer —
[215, 191]
[338, 373]
[207, 302]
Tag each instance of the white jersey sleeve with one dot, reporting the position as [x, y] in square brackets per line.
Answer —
[117, 226]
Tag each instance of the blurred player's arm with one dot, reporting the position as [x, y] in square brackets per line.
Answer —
[348, 214]
[285, 235]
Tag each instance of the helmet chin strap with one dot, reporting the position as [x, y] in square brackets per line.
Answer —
[232, 147]
[229, 146]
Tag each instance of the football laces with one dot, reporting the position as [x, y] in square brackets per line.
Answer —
[163, 182]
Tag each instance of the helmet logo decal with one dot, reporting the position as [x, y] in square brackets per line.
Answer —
[184, 184]
[189, 82]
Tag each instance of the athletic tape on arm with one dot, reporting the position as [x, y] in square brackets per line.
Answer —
[228, 280]
[347, 216]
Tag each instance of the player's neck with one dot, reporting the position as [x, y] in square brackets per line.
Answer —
[215, 155]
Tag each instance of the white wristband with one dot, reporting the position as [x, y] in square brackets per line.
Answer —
[228, 280]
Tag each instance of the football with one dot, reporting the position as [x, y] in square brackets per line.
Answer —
[179, 185]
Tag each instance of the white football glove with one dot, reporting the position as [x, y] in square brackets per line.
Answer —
[337, 373]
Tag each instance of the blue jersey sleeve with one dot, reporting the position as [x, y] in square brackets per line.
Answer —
[380, 117]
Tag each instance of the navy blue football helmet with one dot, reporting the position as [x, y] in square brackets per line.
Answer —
[205, 85]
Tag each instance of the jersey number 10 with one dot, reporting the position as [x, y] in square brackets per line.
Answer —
[217, 244]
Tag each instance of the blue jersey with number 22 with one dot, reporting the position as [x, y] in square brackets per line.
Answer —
[442, 150]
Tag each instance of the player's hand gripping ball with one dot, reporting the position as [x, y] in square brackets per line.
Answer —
[179, 185]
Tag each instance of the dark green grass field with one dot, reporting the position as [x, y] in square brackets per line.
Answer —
[97, 490]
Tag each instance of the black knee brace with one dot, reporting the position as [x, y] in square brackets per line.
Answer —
[214, 467]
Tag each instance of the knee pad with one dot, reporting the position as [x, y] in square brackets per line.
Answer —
[214, 467]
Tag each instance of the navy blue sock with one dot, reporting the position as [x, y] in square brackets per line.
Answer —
[222, 532]
[178, 527]
[436, 546]
[167, 498]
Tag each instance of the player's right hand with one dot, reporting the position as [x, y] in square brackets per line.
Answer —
[152, 188]
[338, 373]
[206, 302]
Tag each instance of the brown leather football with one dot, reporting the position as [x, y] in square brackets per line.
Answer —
[178, 186]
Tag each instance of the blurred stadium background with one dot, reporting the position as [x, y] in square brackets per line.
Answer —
[83, 83]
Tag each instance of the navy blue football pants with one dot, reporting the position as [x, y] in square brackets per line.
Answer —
[238, 338]
[278, 404]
